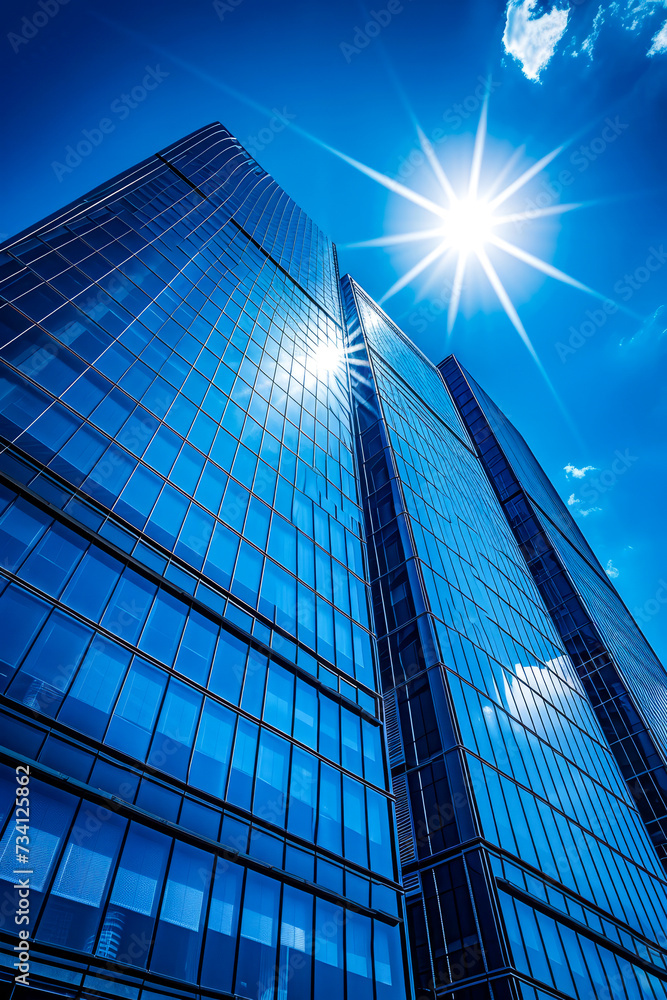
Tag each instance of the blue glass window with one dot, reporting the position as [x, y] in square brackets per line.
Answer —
[228, 667]
[255, 682]
[243, 764]
[247, 575]
[73, 910]
[279, 698]
[328, 950]
[257, 522]
[50, 664]
[89, 589]
[271, 784]
[302, 794]
[278, 596]
[164, 626]
[221, 555]
[255, 973]
[51, 813]
[358, 955]
[180, 928]
[88, 705]
[175, 732]
[20, 528]
[295, 955]
[354, 817]
[373, 766]
[210, 760]
[138, 496]
[222, 927]
[387, 951]
[328, 732]
[351, 741]
[196, 650]
[129, 604]
[379, 832]
[27, 613]
[167, 517]
[133, 719]
[130, 916]
[329, 826]
[282, 543]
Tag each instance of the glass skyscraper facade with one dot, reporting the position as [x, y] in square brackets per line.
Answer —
[301, 715]
[624, 680]
[188, 662]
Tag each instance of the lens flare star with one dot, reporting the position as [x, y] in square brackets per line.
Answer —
[468, 224]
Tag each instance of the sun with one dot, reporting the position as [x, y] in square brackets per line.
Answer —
[468, 225]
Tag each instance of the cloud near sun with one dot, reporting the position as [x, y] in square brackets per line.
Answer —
[534, 31]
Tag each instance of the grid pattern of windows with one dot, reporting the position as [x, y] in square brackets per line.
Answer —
[642, 672]
[583, 617]
[478, 684]
[187, 579]
[129, 894]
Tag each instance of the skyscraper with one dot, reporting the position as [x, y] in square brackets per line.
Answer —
[622, 677]
[259, 583]
[188, 665]
[526, 865]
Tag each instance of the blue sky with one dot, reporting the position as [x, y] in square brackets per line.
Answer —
[589, 76]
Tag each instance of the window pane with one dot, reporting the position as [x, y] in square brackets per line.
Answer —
[329, 923]
[271, 784]
[50, 664]
[132, 723]
[164, 626]
[128, 924]
[51, 813]
[196, 649]
[175, 731]
[181, 925]
[223, 917]
[210, 760]
[243, 764]
[73, 910]
[328, 826]
[296, 923]
[96, 685]
[279, 698]
[228, 667]
[129, 606]
[27, 614]
[89, 589]
[54, 559]
[354, 817]
[302, 795]
[255, 975]
[358, 954]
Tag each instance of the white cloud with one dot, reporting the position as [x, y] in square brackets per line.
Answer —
[572, 470]
[530, 39]
[590, 510]
[611, 570]
[571, 500]
[659, 43]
